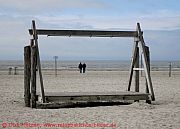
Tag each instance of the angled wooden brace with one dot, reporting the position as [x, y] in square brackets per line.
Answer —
[35, 37]
[145, 62]
[133, 60]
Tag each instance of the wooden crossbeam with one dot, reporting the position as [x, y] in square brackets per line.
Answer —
[85, 33]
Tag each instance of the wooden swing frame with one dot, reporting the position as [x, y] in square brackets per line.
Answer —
[32, 63]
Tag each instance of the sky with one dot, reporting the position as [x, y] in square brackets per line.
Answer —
[159, 19]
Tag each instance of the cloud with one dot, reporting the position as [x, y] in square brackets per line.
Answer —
[163, 44]
[45, 6]
[14, 35]
[41, 10]
[110, 22]
[16, 16]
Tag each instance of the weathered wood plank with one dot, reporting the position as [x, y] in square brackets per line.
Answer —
[136, 65]
[75, 99]
[27, 75]
[145, 61]
[86, 33]
[35, 36]
[94, 96]
[132, 64]
[33, 75]
[56, 105]
[148, 59]
[92, 93]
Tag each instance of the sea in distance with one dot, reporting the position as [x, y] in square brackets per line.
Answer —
[108, 65]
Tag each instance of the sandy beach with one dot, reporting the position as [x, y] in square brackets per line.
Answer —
[164, 113]
[47, 45]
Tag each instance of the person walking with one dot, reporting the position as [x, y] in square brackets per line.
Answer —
[80, 67]
[84, 67]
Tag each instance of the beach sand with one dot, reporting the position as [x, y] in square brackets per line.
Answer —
[164, 113]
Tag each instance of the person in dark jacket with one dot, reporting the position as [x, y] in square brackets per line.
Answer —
[80, 67]
[84, 68]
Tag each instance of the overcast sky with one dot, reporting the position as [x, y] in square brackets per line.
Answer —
[159, 19]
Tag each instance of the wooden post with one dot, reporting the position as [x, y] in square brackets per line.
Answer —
[141, 66]
[145, 62]
[32, 42]
[33, 75]
[148, 60]
[35, 37]
[15, 70]
[170, 68]
[55, 65]
[136, 65]
[27, 75]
